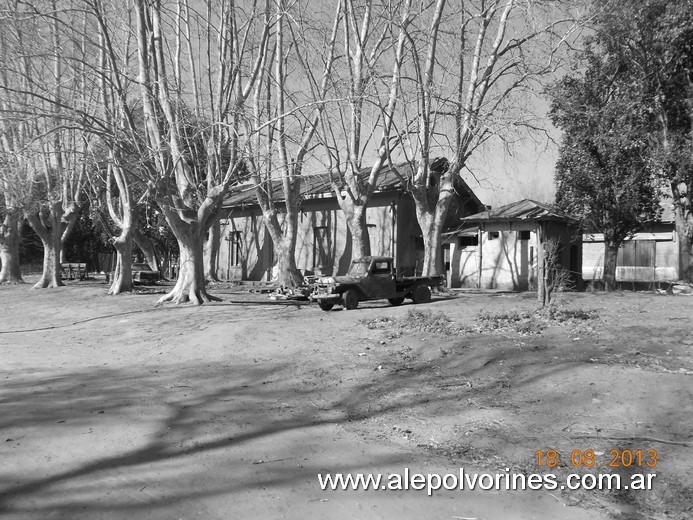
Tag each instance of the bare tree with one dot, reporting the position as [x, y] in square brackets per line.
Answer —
[113, 173]
[373, 39]
[281, 100]
[11, 217]
[39, 80]
[470, 72]
[12, 178]
[234, 42]
[553, 277]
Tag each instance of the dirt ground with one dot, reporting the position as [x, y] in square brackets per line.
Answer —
[112, 408]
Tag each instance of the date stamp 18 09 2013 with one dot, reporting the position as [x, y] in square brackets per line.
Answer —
[616, 458]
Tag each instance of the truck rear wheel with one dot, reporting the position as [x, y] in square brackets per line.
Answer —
[351, 299]
[421, 294]
[395, 301]
[326, 306]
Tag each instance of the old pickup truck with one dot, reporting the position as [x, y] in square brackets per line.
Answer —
[372, 278]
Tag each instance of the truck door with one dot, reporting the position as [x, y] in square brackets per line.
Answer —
[382, 280]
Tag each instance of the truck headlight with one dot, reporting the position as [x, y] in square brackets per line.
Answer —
[327, 280]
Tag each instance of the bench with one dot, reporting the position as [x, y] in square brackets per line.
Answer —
[72, 270]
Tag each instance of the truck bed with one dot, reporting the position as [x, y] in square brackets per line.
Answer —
[406, 281]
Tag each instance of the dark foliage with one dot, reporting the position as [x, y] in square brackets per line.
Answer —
[603, 174]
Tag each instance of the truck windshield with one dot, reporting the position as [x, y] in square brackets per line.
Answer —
[357, 267]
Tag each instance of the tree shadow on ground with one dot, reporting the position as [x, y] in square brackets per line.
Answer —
[144, 437]
[184, 415]
[182, 425]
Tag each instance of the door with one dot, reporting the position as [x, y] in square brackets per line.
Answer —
[322, 259]
[524, 260]
[447, 265]
[636, 261]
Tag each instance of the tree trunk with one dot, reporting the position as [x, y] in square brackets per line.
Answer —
[685, 256]
[431, 231]
[190, 285]
[148, 248]
[547, 273]
[9, 249]
[122, 279]
[71, 220]
[211, 251]
[288, 275]
[610, 259]
[432, 205]
[51, 264]
[47, 225]
[356, 222]
[542, 291]
[684, 231]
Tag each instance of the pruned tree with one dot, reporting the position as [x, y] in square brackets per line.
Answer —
[357, 130]
[10, 272]
[114, 204]
[288, 102]
[13, 180]
[11, 217]
[118, 167]
[603, 175]
[234, 41]
[42, 74]
[472, 67]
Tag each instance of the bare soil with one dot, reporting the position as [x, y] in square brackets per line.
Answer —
[113, 408]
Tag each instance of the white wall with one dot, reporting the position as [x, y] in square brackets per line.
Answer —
[508, 263]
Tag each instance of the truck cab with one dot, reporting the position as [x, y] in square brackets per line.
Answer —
[375, 274]
[371, 278]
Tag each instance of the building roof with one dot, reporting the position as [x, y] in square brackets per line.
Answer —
[317, 186]
[527, 209]
[522, 210]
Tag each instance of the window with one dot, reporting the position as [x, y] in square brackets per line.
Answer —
[373, 239]
[493, 235]
[381, 268]
[469, 241]
[524, 235]
[235, 240]
[321, 248]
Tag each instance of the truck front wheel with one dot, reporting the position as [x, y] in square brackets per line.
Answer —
[421, 294]
[326, 306]
[351, 299]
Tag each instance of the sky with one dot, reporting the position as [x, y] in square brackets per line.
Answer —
[499, 177]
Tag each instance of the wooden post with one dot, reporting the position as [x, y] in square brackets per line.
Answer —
[541, 265]
[480, 236]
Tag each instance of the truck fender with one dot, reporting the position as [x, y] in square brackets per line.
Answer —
[342, 289]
